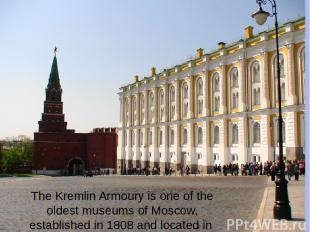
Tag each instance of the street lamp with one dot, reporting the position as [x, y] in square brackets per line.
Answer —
[282, 208]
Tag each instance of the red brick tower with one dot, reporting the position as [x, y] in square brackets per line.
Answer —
[53, 119]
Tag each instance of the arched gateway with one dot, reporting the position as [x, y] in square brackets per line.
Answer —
[76, 167]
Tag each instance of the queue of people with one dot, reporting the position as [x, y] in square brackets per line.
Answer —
[269, 168]
[292, 168]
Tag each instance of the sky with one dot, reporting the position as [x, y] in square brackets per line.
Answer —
[102, 44]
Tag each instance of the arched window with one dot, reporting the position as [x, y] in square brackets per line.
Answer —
[151, 138]
[216, 103]
[256, 83]
[142, 112]
[283, 91]
[234, 88]
[199, 96]
[185, 100]
[199, 87]
[125, 138]
[161, 104]
[172, 102]
[160, 137]
[151, 105]
[132, 138]
[142, 101]
[282, 77]
[141, 138]
[256, 132]
[234, 134]
[283, 132]
[216, 81]
[256, 72]
[134, 107]
[216, 139]
[172, 137]
[172, 94]
[256, 96]
[185, 91]
[199, 135]
[184, 136]
[216, 92]
[234, 78]
[161, 93]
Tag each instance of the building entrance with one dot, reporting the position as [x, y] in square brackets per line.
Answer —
[76, 167]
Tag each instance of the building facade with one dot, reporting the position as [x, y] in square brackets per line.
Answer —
[60, 151]
[218, 107]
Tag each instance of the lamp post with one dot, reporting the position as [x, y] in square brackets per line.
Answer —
[282, 208]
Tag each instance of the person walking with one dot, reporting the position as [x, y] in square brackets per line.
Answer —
[296, 170]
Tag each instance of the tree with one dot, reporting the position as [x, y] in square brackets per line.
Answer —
[12, 158]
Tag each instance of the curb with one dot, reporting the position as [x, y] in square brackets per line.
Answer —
[261, 210]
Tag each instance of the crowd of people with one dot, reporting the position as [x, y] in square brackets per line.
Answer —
[292, 168]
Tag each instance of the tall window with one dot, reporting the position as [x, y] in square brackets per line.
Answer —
[199, 136]
[282, 77]
[134, 103]
[126, 111]
[256, 132]
[234, 95]
[283, 132]
[142, 114]
[172, 137]
[160, 137]
[172, 102]
[161, 104]
[216, 92]
[184, 136]
[125, 138]
[216, 135]
[185, 100]
[151, 138]
[141, 138]
[199, 96]
[234, 134]
[256, 83]
[133, 138]
[151, 105]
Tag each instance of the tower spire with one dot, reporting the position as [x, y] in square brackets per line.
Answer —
[53, 90]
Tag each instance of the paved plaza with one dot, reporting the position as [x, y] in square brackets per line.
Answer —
[233, 197]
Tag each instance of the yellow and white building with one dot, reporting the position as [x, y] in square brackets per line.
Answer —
[218, 107]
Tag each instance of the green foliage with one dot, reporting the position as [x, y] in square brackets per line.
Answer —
[12, 158]
[16, 154]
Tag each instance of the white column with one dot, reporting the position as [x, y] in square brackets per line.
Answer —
[155, 90]
[130, 110]
[178, 100]
[291, 86]
[191, 87]
[155, 145]
[205, 111]
[243, 137]
[178, 143]
[207, 146]
[138, 109]
[266, 148]
[223, 140]
[242, 86]
[191, 141]
[146, 107]
[166, 103]
[223, 104]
